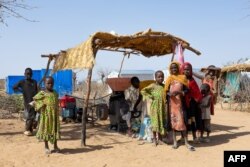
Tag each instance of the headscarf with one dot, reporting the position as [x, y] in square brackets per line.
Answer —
[194, 91]
[183, 66]
[180, 78]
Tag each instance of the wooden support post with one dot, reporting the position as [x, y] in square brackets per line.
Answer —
[172, 59]
[85, 109]
[93, 110]
[50, 58]
[124, 55]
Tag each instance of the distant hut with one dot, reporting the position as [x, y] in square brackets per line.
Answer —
[235, 85]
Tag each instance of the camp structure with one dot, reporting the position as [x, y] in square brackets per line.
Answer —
[235, 86]
[147, 43]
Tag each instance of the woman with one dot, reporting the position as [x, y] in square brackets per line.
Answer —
[176, 87]
[211, 78]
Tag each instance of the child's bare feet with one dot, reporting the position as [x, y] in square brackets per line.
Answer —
[47, 151]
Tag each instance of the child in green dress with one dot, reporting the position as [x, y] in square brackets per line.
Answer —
[157, 110]
[46, 102]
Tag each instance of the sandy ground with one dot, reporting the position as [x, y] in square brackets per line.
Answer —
[231, 131]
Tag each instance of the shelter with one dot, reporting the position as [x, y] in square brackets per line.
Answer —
[234, 84]
[147, 43]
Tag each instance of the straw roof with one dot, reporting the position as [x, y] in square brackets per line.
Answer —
[236, 67]
[148, 43]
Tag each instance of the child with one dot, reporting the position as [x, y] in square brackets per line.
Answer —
[47, 103]
[211, 78]
[192, 99]
[133, 98]
[29, 89]
[157, 114]
[176, 88]
[205, 109]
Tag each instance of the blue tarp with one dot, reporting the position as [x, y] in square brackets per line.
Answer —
[63, 81]
[232, 83]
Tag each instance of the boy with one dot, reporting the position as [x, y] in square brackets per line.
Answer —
[28, 87]
[205, 109]
[133, 98]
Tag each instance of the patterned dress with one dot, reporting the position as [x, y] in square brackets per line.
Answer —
[157, 109]
[47, 104]
[176, 110]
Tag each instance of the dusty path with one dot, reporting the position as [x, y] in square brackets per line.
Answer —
[231, 131]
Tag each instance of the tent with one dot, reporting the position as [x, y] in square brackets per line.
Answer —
[147, 43]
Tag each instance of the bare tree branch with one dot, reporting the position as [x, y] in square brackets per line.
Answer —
[9, 8]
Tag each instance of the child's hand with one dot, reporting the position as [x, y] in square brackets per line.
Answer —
[32, 104]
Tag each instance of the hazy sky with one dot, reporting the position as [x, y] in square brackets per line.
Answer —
[217, 28]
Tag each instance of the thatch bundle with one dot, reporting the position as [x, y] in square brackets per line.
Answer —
[236, 67]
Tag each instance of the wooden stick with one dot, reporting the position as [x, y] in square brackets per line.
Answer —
[47, 68]
[124, 51]
[124, 55]
[84, 114]
[92, 111]
[172, 59]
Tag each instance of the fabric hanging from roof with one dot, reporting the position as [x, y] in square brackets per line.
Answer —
[80, 57]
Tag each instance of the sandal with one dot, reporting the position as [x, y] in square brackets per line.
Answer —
[175, 146]
[56, 150]
[47, 151]
[191, 148]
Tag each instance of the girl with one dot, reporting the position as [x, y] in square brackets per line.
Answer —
[157, 114]
[205, 108]
[192, 98]
[176, 88]
[47, 103]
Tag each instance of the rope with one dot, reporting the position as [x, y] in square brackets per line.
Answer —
[89, 99]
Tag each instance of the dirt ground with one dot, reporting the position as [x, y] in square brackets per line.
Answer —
[230, 131]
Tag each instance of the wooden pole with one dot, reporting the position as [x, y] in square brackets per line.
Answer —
[172, 59]
[124, 55]
[50, 56]
[93, 110]
[84, 113]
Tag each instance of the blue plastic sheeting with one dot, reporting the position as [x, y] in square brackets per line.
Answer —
[10, 82]
[63, 81]
[232, 83]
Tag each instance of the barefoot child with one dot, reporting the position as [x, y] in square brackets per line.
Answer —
[157, 114]
[46, 102]
[205, 109]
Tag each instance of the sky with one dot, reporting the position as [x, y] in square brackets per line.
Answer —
[219, 29]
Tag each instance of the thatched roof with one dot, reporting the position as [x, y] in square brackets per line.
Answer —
[236, 67]
[148, 43]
